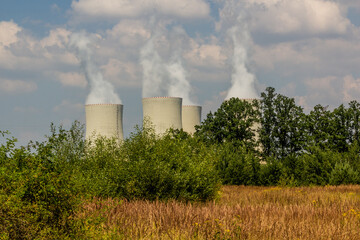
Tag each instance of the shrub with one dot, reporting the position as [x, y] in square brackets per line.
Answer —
[236, 166]
[318, 165]
[343, 173]
[146, 166]
[36, 199]
[271, 172]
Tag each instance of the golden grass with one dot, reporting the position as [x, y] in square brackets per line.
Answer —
[240, 213]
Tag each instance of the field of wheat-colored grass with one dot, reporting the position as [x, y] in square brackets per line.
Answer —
[239, 213]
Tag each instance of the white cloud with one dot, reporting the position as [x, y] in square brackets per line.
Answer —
[8, 33]
[300, 17]
[115, 9]
[209, 55]
[57, 37]
[71, 79]
[349, 3]
[17, 86]
[330, 90]
[131, 33]
[125, 74]
[351, 90]
[283, 55]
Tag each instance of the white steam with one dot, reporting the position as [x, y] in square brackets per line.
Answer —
[153, 69]
[243, 81]
[179, 85]
[101, 91]
[162, 78]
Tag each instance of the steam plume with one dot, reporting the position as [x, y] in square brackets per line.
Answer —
[153, 69]
[101, 91]
[179, 85]
[160, 78]
[243, 81]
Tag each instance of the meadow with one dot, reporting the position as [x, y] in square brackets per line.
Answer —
[241, 212]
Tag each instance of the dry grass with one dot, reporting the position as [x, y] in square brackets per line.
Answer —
[240, 213]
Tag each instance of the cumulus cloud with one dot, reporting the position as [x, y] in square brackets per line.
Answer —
[287, 56]
[206, 55]
[351, 89]
[131, 33]
[71, 79]
[8, 33]
[17, 86]
[115, 9]
[57, 37]
[330, 90]
[298, 17]
[122, 73]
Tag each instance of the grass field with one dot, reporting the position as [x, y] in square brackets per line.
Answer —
[239, 213]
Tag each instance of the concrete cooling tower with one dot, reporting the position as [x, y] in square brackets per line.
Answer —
[191, 116]
[104, 120]
[163, 113]
[256, 126]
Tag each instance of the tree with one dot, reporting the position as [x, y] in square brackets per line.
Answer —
[354, 124]
[283, 125]
[234, 121]
[318, 127]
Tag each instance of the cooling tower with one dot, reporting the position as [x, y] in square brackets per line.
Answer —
[163, 113]
[104, 120]
[256, 126]
[191, 116]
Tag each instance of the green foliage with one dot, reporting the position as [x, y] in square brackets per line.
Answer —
[343, 173]
[236, 166]
[145, 166]
[318, 165]
[283, 125]
[233, 122]
[318, 125]
[271, 172]
[36, 199]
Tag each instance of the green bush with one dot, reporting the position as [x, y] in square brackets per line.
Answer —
[271, 172]
[318, 165]
[146, 166]
[36, 199]
[236, 166]
[343, 173]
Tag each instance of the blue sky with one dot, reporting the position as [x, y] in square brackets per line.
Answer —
[306, 49]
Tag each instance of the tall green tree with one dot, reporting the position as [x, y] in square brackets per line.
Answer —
[318, 127]
[354, 124]
[340, 132]
[235, 121]
[283, 125]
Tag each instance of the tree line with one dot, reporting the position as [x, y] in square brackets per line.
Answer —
[322, 145]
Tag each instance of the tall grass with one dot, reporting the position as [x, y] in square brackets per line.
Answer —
[240, 213]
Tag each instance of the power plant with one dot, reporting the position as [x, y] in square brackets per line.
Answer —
[256, 126]
[163, 113]
[104, 120]
[191, 116]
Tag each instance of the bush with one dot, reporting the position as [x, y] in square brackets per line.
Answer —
[271, 172]
[145, 166]
[343, 173]
[36, 199]
[236, 166]
[318, 165]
